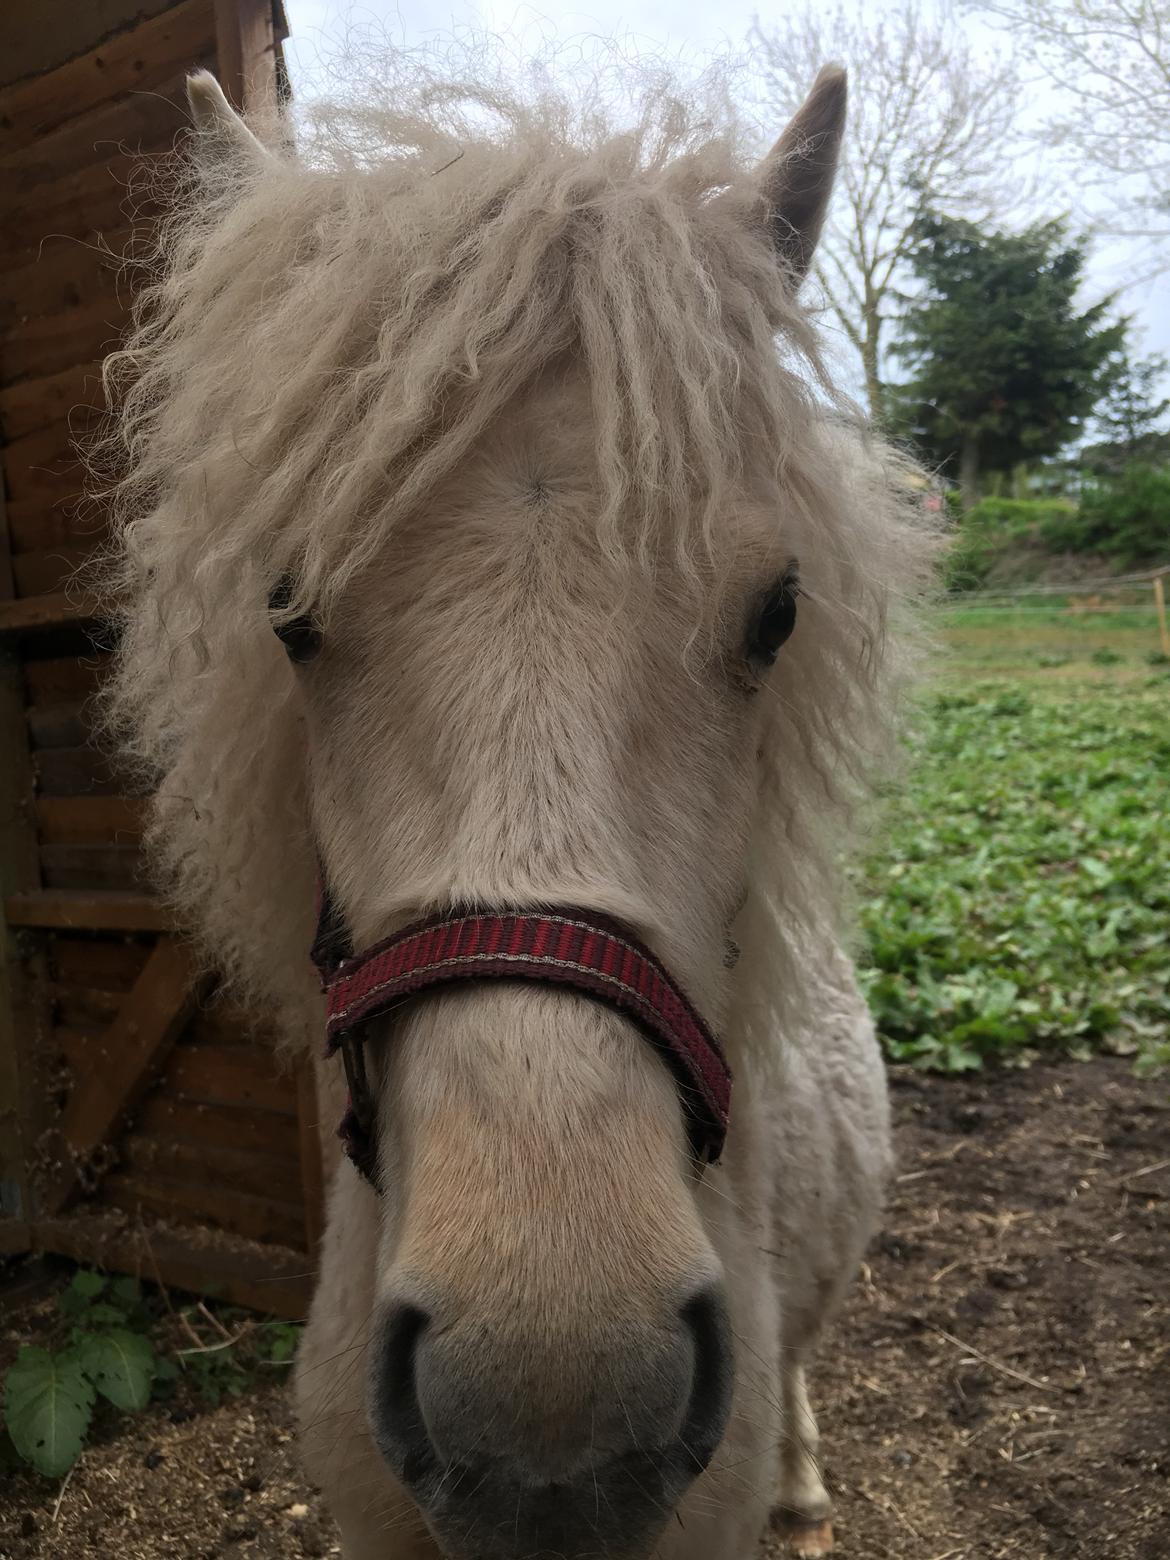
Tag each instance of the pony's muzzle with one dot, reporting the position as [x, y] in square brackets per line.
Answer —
[516, 1447]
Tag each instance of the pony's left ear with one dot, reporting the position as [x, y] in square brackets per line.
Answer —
[796, 177]
[221, 131]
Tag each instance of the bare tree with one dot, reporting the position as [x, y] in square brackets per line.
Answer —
[931, 124]
[1110, 60]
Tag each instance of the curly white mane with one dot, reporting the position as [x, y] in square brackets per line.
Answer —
[323, 340]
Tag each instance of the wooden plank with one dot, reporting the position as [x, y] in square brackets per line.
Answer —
[312, 1168]
[124, 188]
[34, 525]
[44, 464]
[146, 1027]
[84, 1007]
[103, 867]
[210, 1167]
[59, 725]
[265, 1132]
[245, 48]
[76, 910]
[223, 1022]
[116, 820]
[61, 273]
[245, 1076]
[37, 613]
[51, 569]
[261, 1219]
[79, 771]
[23, 1012]
[60, 398]
[127, 120]
[56, 680]
[271, 1279]
[139, 59]
[43, 344]
[111, 961]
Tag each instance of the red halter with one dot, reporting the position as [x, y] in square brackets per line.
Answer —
[587, 952]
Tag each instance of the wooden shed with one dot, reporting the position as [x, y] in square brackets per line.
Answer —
[144, 1124]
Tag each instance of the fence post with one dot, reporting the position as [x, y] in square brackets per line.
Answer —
[1160, 603]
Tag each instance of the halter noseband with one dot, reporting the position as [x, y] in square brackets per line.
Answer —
[589, 953]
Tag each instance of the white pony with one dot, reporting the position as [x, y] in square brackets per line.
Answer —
[481, 544]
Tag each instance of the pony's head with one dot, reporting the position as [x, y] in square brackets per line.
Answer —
[482, 542]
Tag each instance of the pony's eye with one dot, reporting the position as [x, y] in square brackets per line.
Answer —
[300, 636]
[775, 619]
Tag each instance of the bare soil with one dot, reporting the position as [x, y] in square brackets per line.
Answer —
[999, 1385]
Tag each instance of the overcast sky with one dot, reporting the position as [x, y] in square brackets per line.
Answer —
[691, 31]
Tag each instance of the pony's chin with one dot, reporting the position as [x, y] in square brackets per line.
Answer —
[618, 1518]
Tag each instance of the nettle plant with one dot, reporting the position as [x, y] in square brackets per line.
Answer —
[109, 1348]
[49, 1394]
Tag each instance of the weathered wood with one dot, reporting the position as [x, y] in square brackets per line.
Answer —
[227, 1167]
[33, 525]
[54, 399]
[312, 1169]
[137, 60]
[124, 188]
[80, 1044]
[126, 121]
[81, 771]
[101, 867]
[116, 820]
[245, 1076]
[271, 1279]
[58, 725]
[146, 1027]
[245, 47]
[43, 464]
[36, 613]
[23, 1013]
[225, 1022]
[84, 1007]
[264, 1132]
[75, 910]
[1160, 609]
[257, 1218]
[60, 273]
[50, 570]
[47, 343]
[56, 681]
[111, 960]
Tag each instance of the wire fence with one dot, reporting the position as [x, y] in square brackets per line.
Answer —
[1010, 594]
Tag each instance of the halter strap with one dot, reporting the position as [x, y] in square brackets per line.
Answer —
[583, 950]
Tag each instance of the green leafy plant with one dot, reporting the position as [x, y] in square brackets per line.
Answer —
[1020, 896]
[114, 1345]
[49, 1394]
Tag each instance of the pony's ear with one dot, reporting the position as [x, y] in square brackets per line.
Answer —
[221, 131]
[796, 177]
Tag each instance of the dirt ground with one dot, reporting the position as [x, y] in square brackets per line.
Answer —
[999, 1385]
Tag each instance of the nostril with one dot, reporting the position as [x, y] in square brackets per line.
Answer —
[395, 1409]
[705, 1314]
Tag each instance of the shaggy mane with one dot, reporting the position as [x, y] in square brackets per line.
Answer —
[324, 340]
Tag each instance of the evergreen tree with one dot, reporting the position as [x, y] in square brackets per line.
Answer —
[1003, 366]
[1127, 421]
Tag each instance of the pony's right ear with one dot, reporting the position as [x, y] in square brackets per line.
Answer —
[796, 178]
[221, 132]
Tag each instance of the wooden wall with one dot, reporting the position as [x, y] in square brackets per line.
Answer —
[144, 1122]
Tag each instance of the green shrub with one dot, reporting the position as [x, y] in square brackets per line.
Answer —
[996, 526]
[1124, 518]
[109, 1348]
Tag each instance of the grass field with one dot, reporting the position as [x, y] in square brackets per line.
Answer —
[1018, 895]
